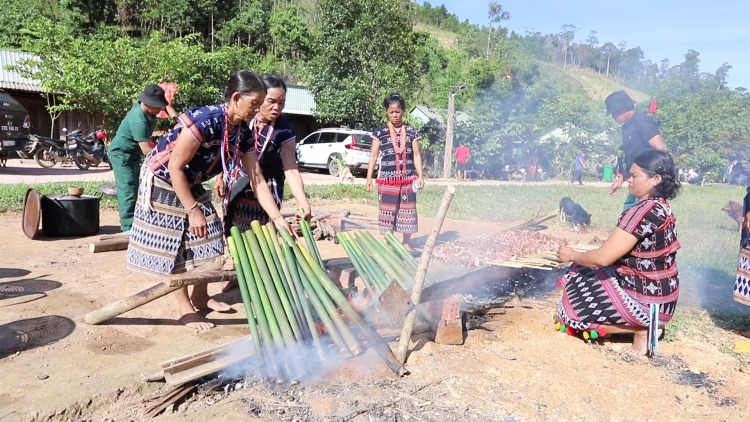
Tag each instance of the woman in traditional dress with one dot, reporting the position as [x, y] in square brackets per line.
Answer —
[274, 144]
[400, 171]
[742, 281]
[630, 284]
[176, 228]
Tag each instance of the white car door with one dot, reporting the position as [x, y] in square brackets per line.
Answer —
[305, 148]
[323, 149]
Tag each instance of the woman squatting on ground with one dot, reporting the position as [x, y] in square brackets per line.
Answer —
[400, 171]
[632, 279]
[176, 228]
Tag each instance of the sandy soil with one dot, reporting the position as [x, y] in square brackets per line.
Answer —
[514, 366]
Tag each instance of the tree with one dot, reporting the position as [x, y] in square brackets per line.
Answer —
[360, 59]
[496, 15]
[566, 36]
[721, 75]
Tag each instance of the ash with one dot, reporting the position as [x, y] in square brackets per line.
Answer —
[498, 292]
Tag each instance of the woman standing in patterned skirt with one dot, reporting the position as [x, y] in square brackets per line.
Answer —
[630, 284]
[742, 281]
[274, 142]
[400, 172]
[176, 228]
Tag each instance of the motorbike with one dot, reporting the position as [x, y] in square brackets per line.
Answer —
[90, 150]
[85, 150]
[515, 173]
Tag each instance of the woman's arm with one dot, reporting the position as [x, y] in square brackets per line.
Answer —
[262, 191]
[374, 152]
[185, 148]
[417, 153]
[617, 245]
[294, 178]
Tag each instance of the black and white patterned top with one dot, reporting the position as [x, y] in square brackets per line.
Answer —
[396, 168]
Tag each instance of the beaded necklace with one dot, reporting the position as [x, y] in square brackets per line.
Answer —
[230, 153]
[258, 124]
[398, 148]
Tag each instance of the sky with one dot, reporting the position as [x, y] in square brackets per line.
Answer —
[719, 30]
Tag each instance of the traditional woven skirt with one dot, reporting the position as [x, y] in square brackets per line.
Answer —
[244, 208]
[593, 297]
[742, 281]
[161, 242]
[398, 209]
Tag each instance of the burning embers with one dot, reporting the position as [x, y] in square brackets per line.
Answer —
[497, 248]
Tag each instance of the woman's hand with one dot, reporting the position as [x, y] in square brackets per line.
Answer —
[565, 254]
[421, 182]
[219, 186]
[197, 222]
[305, 212]
[280, 222]
[368, 185]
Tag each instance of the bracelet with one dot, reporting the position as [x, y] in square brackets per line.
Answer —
[194, 205]
[278, 216]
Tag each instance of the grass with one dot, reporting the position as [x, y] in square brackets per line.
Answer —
[12, 195]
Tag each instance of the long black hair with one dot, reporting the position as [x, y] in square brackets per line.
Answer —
[272, 81]
[394, 98]
[654, 162]
[243, 81]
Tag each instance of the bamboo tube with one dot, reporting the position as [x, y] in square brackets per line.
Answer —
[311, 245]
[289, 285]
[273, 285]
[251, 244]
[384, 263]
[356, 262]
[374, 269]
[325, 282]
[399, 247]
[244, 291]
[281, 284]
[310, 323]
[393, 258]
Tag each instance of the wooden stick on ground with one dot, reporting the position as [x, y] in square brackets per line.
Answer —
[416, 293]
[119, 243]
[533, 222]
[172, 283]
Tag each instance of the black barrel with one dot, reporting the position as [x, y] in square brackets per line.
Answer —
[66, 215]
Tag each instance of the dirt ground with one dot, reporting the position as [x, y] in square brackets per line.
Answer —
[513, 366]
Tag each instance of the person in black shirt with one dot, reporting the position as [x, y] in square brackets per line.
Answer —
[639, 133]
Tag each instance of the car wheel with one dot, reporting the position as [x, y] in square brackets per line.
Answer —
[334, 165]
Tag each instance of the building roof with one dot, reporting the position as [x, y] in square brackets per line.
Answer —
[429, 114]
[299, 101]
[12, 80]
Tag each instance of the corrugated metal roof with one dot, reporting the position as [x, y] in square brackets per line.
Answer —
[12, 80]
[299, 101]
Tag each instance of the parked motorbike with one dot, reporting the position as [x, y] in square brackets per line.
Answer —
[49, 151]
[90, 149]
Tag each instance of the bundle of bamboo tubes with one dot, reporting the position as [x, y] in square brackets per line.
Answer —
[286, 290]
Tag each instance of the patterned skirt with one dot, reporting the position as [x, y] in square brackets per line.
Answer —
[244, 207]
[741, 291]
[398, 209]
[593, 297]
[161, 242]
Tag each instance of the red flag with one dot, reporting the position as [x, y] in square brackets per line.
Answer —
[653, 106]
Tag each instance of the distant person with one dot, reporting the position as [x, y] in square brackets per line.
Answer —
[462, 161]
[631, 281]
[741, 291]
[639, 133]
[131, 143]
[400, 172]
[578, 166]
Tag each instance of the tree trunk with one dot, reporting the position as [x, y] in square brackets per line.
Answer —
[606, 78]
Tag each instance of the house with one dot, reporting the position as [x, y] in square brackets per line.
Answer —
[436, 118]
[299, 110]
[31, 95]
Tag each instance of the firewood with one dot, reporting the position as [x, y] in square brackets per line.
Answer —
[113, 244]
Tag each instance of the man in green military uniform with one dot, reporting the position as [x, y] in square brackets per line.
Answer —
[130, 144]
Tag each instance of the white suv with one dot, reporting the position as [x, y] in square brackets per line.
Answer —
[331, 147]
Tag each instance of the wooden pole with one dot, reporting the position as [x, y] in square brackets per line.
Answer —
[449, 136]
[533, 222]
[416, 293]
[172, 283]
[112, 244]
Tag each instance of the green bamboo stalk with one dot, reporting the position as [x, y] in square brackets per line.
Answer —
[251, 244]
[327, 285]
[311, 245]
[321, 293]
[356, 262]
[390, 271]
[289, 286]
[396, 262]
[399, 247]
[237, 259]
[286, 251]
[281, 283]
[374, 269]
[273, 284]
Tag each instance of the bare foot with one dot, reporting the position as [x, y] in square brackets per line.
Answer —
[408, 247]
[193, 320]
[211, 304]
[640, 343]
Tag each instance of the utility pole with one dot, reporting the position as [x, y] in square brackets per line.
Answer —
[449, 130]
